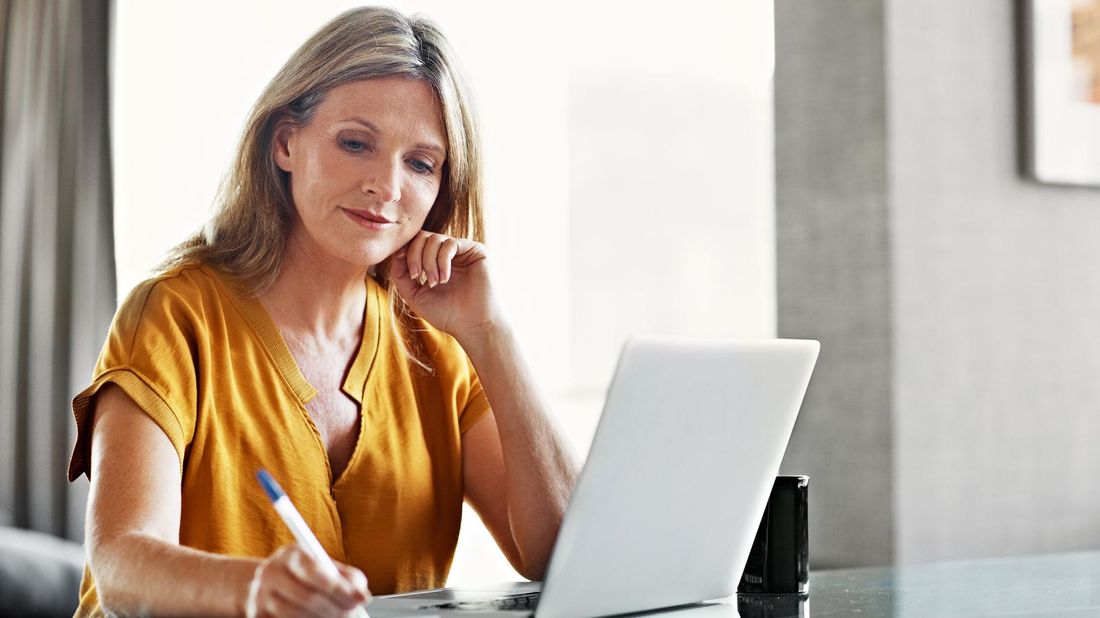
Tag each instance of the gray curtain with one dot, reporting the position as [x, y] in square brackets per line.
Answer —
[57, 279]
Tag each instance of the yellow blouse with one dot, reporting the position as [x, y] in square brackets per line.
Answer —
[210, 368]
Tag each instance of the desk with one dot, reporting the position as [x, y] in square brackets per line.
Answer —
[1041, 585]
[1025, 586]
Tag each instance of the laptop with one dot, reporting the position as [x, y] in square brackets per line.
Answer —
[667, 506]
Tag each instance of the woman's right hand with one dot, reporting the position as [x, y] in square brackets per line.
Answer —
[291, 583]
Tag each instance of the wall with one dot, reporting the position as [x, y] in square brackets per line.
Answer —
[955, 403]
[996, 298]
[833, 268]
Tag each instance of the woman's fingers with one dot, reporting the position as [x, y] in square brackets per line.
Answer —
[447, 252]
[294, 599]
[291, 583]
[281, 594]
[415, 251]
[357, 581]
[331, 595]
[428, 258]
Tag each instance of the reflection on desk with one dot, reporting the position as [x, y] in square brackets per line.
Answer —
[1041, 585]
[424, 604]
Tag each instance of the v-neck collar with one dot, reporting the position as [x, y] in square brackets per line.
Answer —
[355, 382]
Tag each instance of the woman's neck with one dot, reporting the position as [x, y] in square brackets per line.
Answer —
[316, 295]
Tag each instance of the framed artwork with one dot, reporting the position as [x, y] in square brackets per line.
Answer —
[1063, 62]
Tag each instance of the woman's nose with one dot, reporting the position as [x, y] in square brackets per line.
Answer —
[383, 180]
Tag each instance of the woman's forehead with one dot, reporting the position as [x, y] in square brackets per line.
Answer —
[386, 101]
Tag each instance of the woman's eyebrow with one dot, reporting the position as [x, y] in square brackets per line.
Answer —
[373, 127]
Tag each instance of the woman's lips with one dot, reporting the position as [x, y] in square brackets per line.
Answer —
[368, 220]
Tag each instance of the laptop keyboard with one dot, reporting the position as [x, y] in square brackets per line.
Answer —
[519, 602]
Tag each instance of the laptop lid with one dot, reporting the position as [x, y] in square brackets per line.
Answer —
[670, 497]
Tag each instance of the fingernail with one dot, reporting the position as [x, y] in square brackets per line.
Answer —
[432, 281]
[423, 278]
[413, 274]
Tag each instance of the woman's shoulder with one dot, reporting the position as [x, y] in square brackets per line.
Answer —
[184, 289]
[442, 353]
[190, 280]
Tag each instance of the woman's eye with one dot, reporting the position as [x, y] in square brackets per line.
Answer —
[421, 166]
[353, 145]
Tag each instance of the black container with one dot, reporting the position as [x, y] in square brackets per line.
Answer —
[779, 561]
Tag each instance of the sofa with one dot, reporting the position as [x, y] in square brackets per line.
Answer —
[39, 574]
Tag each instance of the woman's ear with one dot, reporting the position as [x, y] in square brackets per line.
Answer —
[284, 146]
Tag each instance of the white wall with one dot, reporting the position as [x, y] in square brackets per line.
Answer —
[628, 152]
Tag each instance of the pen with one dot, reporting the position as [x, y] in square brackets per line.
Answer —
[293, 520]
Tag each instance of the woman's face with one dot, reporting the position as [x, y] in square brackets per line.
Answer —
[366, 170]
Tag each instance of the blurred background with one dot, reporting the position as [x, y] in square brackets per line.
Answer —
[855, 171]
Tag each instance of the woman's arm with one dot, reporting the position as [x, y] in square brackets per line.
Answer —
[518, 473]
[133, 523]
[133, 537]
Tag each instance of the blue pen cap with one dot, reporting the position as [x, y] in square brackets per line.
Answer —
[270, 486]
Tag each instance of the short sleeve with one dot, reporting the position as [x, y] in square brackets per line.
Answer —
[477, 404]
[150, 353]
[455, 374]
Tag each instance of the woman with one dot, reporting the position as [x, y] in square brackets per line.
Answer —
[326, 326]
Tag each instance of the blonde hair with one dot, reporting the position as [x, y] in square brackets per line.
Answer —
[247, 235]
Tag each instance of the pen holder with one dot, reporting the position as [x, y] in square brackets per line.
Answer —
[779, 560]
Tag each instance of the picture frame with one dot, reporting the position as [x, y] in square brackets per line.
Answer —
[1062, 58]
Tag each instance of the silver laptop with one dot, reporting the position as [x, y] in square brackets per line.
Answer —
[670, 497]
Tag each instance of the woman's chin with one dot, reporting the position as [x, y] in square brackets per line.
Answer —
[367, 257]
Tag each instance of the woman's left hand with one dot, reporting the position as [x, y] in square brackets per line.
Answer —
[445, 280]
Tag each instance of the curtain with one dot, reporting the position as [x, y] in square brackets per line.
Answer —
[57, 279]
